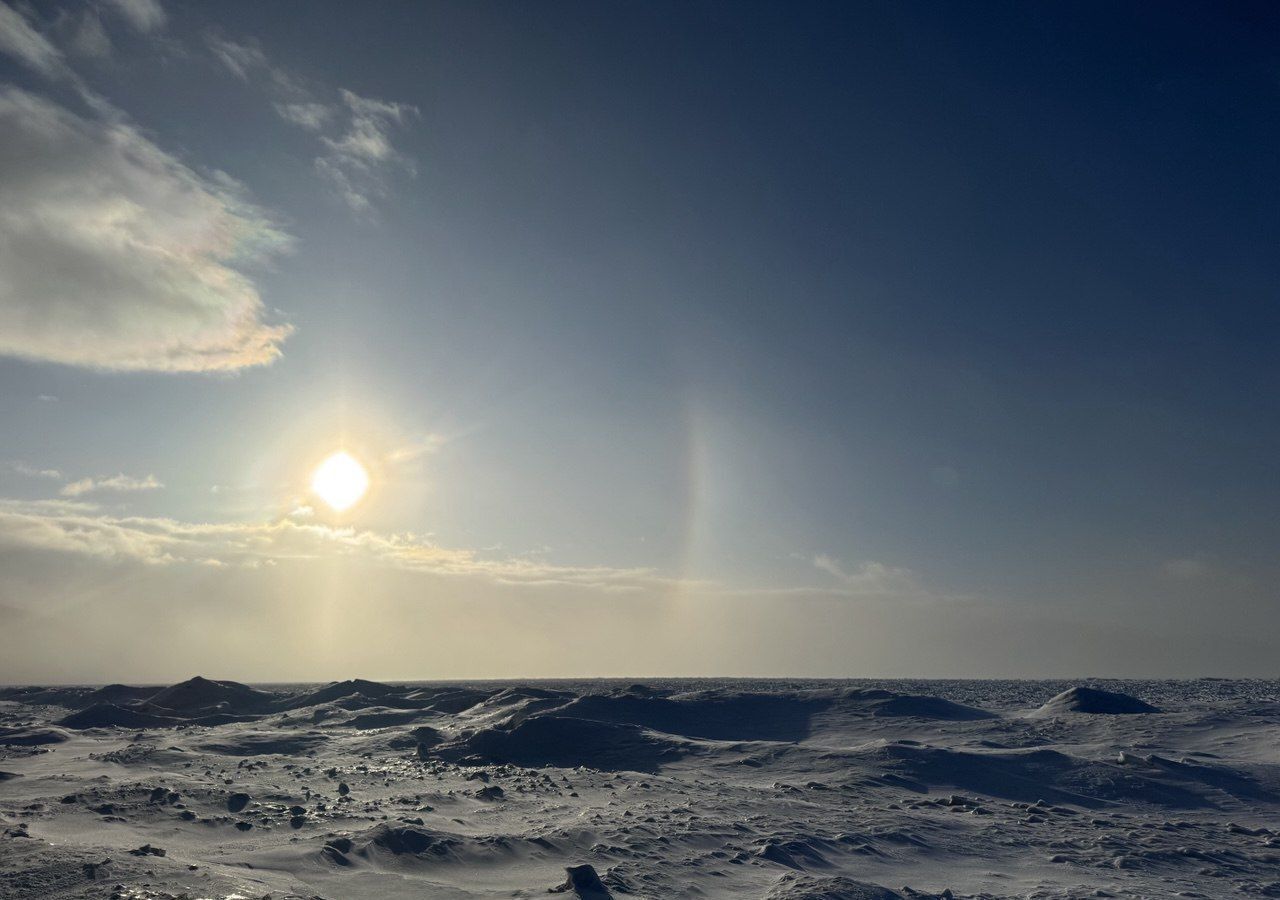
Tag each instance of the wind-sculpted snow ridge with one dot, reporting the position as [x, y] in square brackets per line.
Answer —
[800, 790]
[111, 715]
[566, 742]
[1095, 702]
[890, 704]
[807, 887]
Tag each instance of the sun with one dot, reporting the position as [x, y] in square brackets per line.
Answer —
[340, 481]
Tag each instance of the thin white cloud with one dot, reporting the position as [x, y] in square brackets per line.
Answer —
[144, 15]
[358, 154]
[869, 577]
[417, 449]
[162, 541]
[242, 59]
[24, 43]
[116, 255]
[311, 116]
[87, 37]
[31, 471]
[69, 526]
[248, 62]
[119, 483]
[357, 161]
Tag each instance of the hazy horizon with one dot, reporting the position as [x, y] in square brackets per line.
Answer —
[451, 341]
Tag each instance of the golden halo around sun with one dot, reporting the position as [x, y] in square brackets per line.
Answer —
[340, 481]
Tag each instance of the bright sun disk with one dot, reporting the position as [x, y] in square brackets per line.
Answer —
[340, 481]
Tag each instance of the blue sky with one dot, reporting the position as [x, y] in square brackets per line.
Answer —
[678, 339]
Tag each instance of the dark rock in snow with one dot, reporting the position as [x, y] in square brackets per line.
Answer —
[147, 850]
[583, 881]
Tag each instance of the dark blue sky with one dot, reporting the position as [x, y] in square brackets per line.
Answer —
[976, 300]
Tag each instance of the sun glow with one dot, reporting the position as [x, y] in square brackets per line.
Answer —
[340, 481]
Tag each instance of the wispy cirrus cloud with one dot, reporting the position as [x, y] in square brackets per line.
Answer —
[247, 61]
[116, 483]
[114, 254]
[357, 155]
[309, 115]
[143, 15]
[356, 162]
[20, 40]
[86, 36]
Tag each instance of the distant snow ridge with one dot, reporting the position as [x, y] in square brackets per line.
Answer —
[889, 704]
[1096, 702]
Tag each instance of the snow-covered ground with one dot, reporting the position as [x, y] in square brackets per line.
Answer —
[770, 789]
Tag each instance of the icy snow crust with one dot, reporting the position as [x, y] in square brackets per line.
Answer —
[787, 790]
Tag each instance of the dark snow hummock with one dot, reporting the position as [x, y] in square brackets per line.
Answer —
[1095, 701]
[835, 887]
[713, 715]
[566, 742]
[891, 705]
[110, 715]
[118, 694]
[31, 737]
[199, 695]
[354, 687]
[405, 840]
[259, 743]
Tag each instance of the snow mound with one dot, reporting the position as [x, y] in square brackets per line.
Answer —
[381, 717]
[712, 715]
[263, 743]
[796, 853]
[118, 694]
[890, 705]
[1030, 776]
[198, 695]
[809, 887]
[566, 742]
[512, 705]
[406, 840]
[1094, 701]
[31, 737]
[451, 701]
[109, 715]
[366, 692]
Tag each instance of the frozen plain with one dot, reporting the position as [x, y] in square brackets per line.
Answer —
[786, 790]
